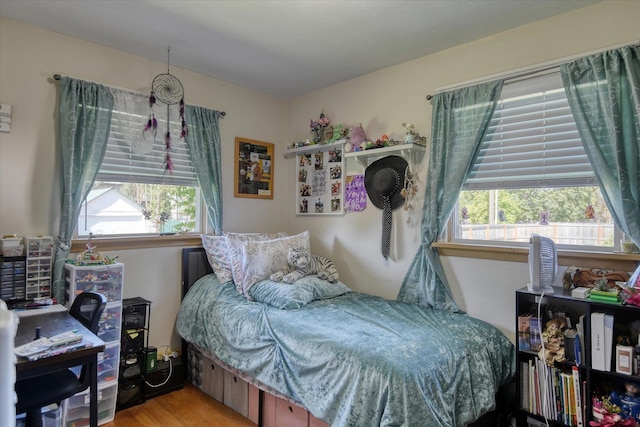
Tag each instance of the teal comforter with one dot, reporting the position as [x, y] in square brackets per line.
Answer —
[356, 359]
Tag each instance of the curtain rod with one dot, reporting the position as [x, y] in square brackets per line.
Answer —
[526, 71]
[58, 77]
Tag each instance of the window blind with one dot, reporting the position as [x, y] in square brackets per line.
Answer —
[136, 157]
[532, 140]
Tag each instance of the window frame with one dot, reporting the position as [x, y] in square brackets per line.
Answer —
[448, 239]
[136, 102]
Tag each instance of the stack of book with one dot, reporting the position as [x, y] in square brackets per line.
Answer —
[604, 296]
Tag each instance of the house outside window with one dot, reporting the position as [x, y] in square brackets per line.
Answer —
[532, 175]
[135, 193]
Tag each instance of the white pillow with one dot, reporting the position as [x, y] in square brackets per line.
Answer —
[217, 251]
[262, 258]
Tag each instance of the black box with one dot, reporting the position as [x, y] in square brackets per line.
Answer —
[131, 367]
[134, 312]
[130, 393]
[169, 376]
[132, 341]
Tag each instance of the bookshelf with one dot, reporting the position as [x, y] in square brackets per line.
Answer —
[568, 391]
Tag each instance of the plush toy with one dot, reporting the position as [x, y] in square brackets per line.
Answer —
[357, 137]
[301, 264]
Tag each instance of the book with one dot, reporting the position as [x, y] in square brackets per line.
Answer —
[535, 328]
[578, 398]
[597, 341]
[580, 329]
[608, 341]
[523, 324]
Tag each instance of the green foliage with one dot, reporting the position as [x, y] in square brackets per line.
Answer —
[523, 206]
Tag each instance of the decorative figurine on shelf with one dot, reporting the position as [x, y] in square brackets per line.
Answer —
[553, 339]
[318, 127]
[90, 257]
[357, 137]
[627, 404]
[409, 134]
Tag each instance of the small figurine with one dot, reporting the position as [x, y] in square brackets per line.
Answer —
[357, 137]
[409, 135]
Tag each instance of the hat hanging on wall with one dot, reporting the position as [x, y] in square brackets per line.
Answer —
[384, 180]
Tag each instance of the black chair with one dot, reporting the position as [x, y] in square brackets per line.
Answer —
[38, 392]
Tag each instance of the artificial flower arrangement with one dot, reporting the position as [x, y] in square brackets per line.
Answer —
[354, 137]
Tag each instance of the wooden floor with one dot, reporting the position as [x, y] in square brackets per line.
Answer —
[187, 407]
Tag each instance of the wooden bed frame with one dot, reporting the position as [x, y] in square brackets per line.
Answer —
[196, 265]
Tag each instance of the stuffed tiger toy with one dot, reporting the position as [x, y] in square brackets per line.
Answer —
[301, 264]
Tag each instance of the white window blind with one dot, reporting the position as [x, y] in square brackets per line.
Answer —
[136, 158]
[532, 140]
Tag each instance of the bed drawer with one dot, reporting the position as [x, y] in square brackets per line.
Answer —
[317, 422]
[205, 374]
[280, 413]
[212, 380]
[236, 394]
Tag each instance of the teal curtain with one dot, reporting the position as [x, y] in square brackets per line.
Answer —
[84, 120]
[460, 120]
[604, 95]
[205, 150]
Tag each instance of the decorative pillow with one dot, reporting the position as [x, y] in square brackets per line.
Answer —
[285, 296]
[218, 251]
[259, 259]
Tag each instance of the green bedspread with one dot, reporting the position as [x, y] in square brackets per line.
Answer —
[356, 359]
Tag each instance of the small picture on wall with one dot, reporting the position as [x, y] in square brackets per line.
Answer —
[335, 156]
[253, 169]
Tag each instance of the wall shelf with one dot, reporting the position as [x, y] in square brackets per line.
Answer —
[365, 156]
[313, 148]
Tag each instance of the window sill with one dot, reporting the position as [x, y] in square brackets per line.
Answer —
[107, 244]
[585, 259]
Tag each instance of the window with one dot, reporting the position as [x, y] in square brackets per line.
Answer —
[532, 175]
[134, 193]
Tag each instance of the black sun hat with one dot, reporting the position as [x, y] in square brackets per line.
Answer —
[384, 181]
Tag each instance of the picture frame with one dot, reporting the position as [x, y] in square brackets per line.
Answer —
[254, 169]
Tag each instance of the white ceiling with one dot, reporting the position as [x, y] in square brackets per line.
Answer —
[284, 48]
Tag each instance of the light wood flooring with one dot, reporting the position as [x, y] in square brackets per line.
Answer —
[186, 407]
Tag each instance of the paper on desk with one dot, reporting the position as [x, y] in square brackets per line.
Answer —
[54, 308]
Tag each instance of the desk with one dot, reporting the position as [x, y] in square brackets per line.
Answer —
[52, 322]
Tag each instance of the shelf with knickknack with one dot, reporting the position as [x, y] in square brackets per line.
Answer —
[312, 148]
[410, 150]
[596, 364]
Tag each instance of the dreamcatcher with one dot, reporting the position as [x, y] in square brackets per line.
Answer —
[167, 89]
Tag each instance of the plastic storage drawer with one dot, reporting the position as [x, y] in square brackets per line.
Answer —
[108, 363]
[77, 407]
[110, 323]
[106, 279]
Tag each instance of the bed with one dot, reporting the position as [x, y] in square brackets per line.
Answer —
[349, 358]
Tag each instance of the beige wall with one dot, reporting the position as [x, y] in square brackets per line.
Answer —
[29, 56]
[381, 101]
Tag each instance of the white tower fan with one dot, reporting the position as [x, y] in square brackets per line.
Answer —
[543, 264]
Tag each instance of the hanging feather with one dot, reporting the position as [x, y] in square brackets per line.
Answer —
[167, 141]
[152, 125]
[168, 165]
[152, 99]
[148, 125]
[182, 107]
[185, 130]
